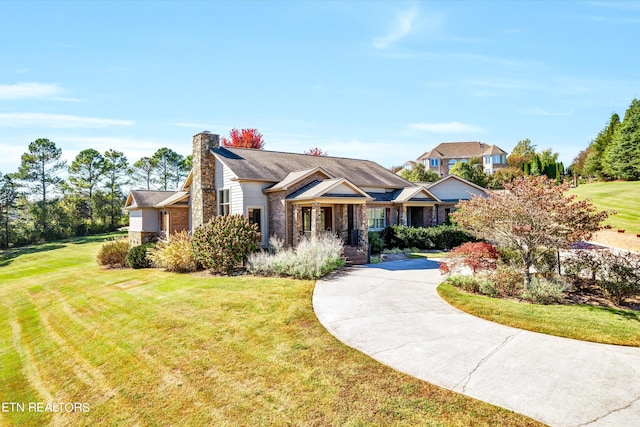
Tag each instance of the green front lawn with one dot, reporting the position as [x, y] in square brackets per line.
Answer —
[581, 322]
[145, 347]
[621, 196]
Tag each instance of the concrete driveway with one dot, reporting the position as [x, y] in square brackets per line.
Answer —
[392, 312]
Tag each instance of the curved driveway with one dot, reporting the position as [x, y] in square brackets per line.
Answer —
[392, 312]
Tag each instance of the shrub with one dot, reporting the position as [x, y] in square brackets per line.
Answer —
[543, 291]
[174, 255]
[488, 288]
[137, 256]
[510, 257]
[466, 283]
[113, 253]
[224, 242]
[616, 272]
[478, 256]
[376, 242]
[547, 263]
[440, 237]
[447, 237]
[311, 259]
[507, 281]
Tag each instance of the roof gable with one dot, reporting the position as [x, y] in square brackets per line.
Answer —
[297, 176]
[418, 192]
[138, 199]
[335, 188]
[452, 187]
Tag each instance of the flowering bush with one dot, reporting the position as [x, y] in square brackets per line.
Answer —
[224, 242]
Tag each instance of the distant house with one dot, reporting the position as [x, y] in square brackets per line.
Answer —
[446, 154]
[292, 195]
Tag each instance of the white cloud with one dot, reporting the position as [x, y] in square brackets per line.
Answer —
[450, 127]
[404, 23]
[30, 90]
[57, 121]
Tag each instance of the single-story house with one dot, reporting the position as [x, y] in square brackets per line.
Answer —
[291, 195]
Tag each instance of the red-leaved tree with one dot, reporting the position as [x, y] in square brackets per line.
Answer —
[315, 151]
[533, 215]
[245, 138]
[478, 256]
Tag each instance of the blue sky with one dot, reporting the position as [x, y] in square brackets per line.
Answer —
[382, 80]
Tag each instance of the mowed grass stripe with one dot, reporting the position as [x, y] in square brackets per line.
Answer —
[184, 350]
[621, 196]
[126, 358]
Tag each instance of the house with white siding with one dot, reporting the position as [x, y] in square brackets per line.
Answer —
[293, 195]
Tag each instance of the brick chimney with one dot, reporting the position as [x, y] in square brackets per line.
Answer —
[203, 186]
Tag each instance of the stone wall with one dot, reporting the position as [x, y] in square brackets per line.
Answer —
[137, 238]
[203, 191]
[281, 214]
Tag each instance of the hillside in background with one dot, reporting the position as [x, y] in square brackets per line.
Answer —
[621, 196]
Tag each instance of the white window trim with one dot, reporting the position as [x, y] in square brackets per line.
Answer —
[220, 204]
[262, 220]
[384, 218]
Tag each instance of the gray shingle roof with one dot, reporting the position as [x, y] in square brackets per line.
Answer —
[148, 198]
[275, 166]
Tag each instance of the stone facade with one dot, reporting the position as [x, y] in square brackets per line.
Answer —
[203, 191]
[137, 238]
[281, 214]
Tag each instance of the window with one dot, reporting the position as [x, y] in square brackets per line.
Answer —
[306, 220]
[377, 218]
[452, 162]
[487, 159]
[254, 215]
[497, 159]
[435, 162]
[224, 204]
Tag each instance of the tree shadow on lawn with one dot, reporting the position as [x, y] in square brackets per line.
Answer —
[8, 255]
[627, 314]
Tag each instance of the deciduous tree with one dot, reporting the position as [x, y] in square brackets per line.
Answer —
[245, 138]
[533, 216]
[419, 173]
[470, 173]
[315, 151]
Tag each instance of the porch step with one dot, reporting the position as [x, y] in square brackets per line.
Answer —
[355, 255]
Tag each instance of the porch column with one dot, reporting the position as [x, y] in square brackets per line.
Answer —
[364, 223]
[434, 215]
[403, 215]
[297, 224]
[315, 219]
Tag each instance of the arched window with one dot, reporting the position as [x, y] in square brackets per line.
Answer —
[452, 162]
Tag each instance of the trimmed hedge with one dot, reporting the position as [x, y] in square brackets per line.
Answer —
[440, 237]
